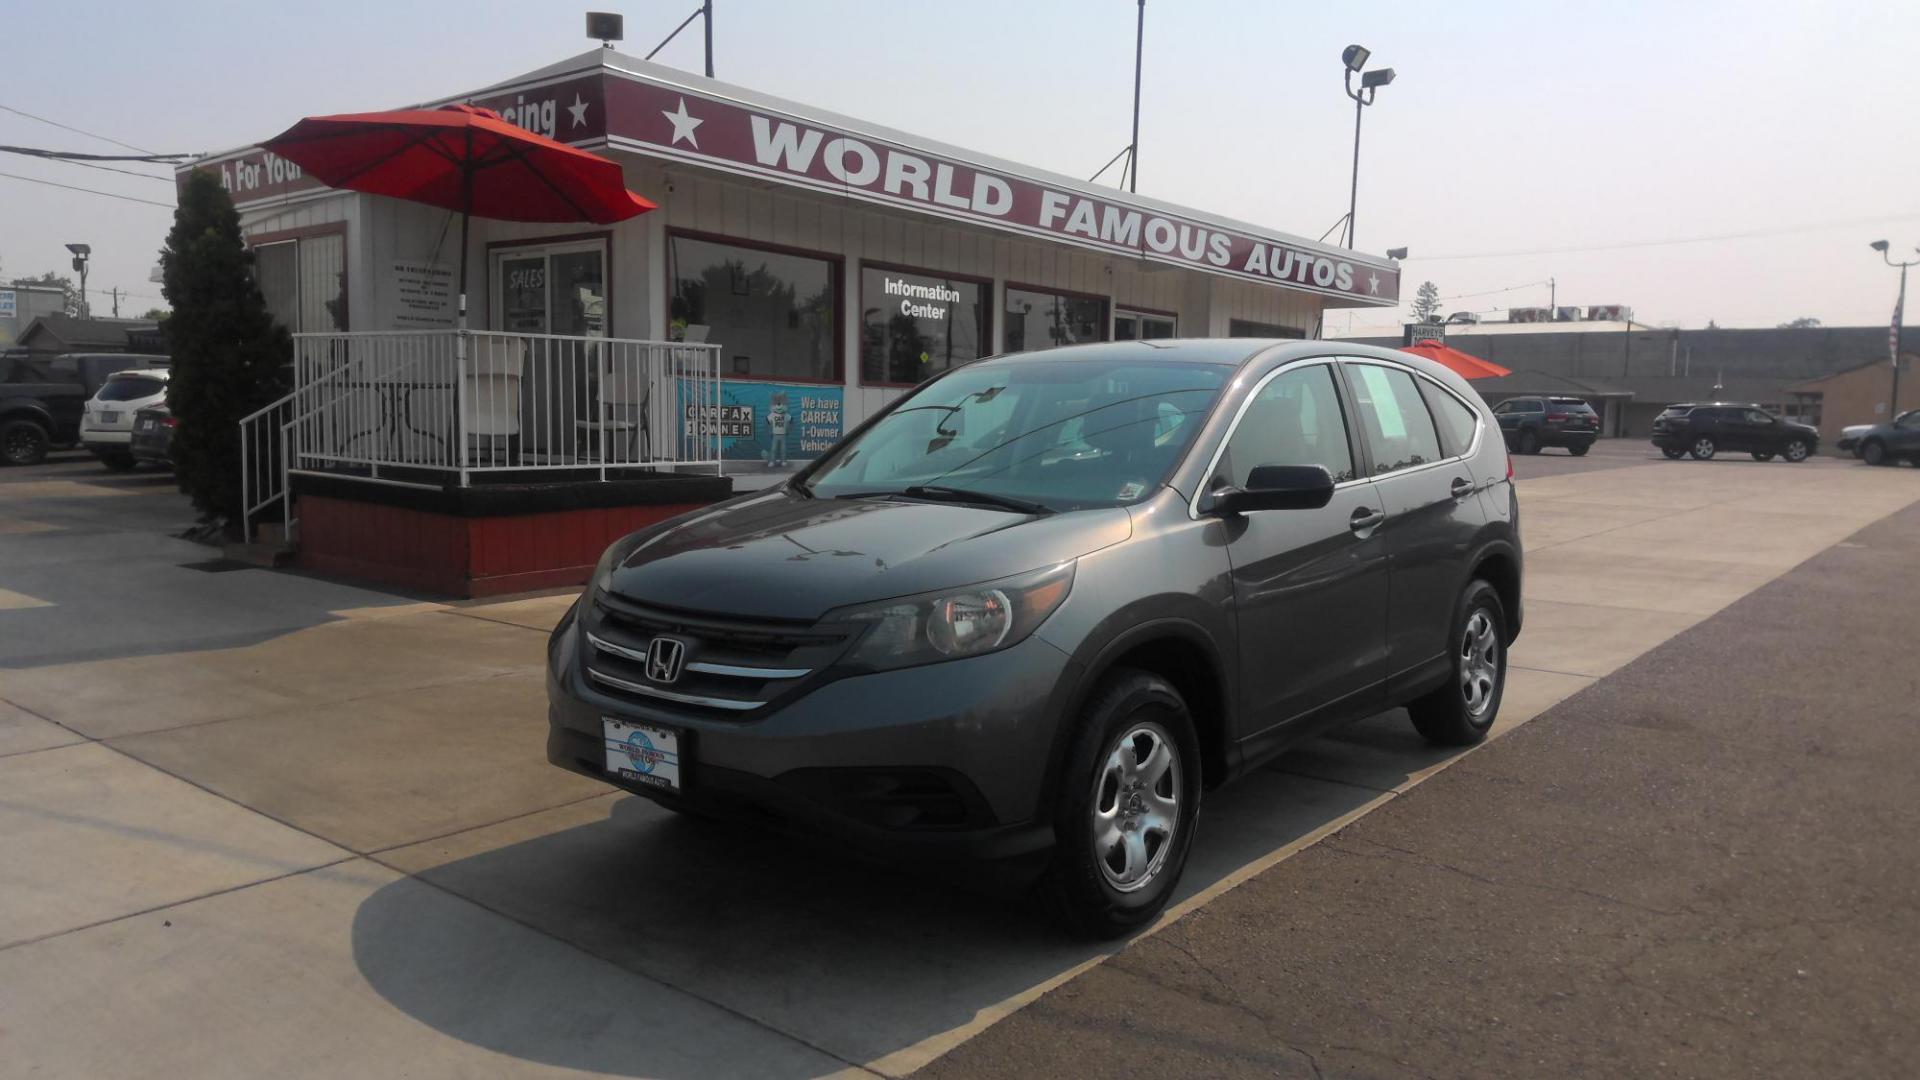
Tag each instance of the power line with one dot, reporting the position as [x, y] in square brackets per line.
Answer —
[88, 190]
[1706, 239]
[75, 130]
[1491, 292]
[45, 155]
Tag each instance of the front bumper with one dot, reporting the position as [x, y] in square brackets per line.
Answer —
[845, 757]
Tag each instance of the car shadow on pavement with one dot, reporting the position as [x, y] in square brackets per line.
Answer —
[870, 963]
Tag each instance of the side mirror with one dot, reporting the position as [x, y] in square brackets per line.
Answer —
[1277, 487]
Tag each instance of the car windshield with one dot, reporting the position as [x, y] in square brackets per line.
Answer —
[1052, 433]
[130, 388]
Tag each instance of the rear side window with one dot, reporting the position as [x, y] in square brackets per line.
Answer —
[1393, 418]
[28, 371]
[1571, 405]
[1294, 420]
[1456, 422]
[130, 388]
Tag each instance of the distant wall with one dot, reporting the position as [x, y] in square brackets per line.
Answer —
[1617, 356]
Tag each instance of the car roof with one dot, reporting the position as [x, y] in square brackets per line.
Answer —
[145, 373]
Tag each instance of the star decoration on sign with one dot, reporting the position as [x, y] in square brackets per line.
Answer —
[1373, 284]
[683, 125]
[578, 110]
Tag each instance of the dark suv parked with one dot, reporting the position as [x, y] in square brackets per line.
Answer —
[1022, 618]
[1705, 430]
[1530, 423]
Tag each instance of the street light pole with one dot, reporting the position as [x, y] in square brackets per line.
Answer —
[1355, 58]
[1899, 317]
[1133, 148]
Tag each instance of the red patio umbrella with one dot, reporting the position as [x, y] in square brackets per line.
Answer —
[1467, 365]
[460, 158]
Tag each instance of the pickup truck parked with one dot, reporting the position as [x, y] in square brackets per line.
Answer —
[42, 398]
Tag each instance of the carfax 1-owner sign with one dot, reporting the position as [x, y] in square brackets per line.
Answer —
[767, 422]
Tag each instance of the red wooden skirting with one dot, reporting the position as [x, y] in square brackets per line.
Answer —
[462, 556]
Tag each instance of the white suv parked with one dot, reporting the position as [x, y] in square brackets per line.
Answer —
[107, 427]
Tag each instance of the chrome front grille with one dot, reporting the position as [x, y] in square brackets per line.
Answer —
[727, 665]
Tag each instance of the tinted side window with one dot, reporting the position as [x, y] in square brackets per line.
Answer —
[1457, 422]
[65, 369]
[1756, 416]
[1533, 405]
[1293, 420]
[1393, 418]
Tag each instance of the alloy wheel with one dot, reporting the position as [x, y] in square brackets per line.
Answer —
[1479, 662]
[1703, 448]
[1796, 451]
[1136, 806]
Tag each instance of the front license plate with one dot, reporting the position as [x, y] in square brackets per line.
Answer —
[642, 753]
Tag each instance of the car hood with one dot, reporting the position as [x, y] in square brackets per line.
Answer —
[782, 555]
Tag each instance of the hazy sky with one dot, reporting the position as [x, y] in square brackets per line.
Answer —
[1515, 126]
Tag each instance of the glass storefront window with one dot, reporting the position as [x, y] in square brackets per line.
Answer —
[1042, 320]
[304, 281]
[1142, 326]
[552, 289]
[774, 314]
[915, 326]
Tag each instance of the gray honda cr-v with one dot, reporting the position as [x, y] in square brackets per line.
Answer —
[1028, 615]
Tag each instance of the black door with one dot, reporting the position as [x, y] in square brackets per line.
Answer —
[1433, 515]
[1904, 439]
[1310, 586]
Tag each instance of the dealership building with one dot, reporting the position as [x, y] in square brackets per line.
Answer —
[834, 262]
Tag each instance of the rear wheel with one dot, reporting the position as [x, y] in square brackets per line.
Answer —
[1874, 452]
[23, 442]
[1460, 711]
[1796, 451]
[118, 462]
[1129, 800]
[1763, 455]
[1673, 453]
[1578, 451]
[1529, 443]
[1704, 448]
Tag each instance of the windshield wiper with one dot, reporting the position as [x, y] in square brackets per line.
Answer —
[954, 494]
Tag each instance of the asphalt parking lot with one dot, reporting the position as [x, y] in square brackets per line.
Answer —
[255, 823]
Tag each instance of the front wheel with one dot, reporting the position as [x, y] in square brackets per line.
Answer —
[23, 442]
[1703, 449]
[1129, 800]
[1460, 711]
[1796, 451]
[1875, 453]
[1529, 443]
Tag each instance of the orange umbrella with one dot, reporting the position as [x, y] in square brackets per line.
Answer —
[1468, 366]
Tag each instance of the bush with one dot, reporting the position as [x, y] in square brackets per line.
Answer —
[229, 356]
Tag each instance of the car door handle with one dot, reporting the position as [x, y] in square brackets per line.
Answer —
[1462, 487]
[1365, 518]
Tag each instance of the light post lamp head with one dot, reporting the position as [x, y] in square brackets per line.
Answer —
[1879, 246]
[87, 249]
[1355, 57]
[1396, 253]
[1376, 78]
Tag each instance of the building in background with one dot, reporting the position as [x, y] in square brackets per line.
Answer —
[836, 263]
[20, 305]
[61, 333]
[1858, 395]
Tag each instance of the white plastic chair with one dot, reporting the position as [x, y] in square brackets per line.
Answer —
[491, 414]
[620, 414]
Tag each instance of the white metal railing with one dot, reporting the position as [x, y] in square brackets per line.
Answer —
[433, 407]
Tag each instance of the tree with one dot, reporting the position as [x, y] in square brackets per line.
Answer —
[229, 356]
[157, 314]
[1426, 302]
[1805, 322]
[71, 297]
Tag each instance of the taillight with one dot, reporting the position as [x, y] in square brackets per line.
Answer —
[168, 421]
[1509, 466]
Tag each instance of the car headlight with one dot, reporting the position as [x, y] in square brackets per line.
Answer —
[953, 623]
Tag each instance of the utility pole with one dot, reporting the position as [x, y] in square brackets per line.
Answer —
[707, 7]
[1553, 298]
[116, 301]
[1899, 316]
[1133, 148]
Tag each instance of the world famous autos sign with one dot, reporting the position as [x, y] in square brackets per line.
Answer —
[668, 121]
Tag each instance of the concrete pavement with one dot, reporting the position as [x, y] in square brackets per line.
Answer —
[412, 871]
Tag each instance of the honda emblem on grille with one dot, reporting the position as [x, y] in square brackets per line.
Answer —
[665, 656]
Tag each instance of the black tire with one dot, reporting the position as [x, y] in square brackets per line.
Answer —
[22, 442]
[1874, 452]
[1796, 451]
[119, 462]
[1673, 453]
[1077, 889]
[1445, 715]
[1704, 448]
[1763, 455]
[1578, 451]
[1529, 443]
